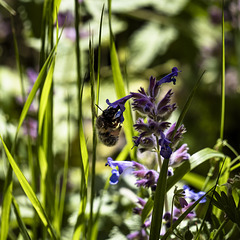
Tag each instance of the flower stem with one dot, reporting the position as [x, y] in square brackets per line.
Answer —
[158, 154]
[160, 168]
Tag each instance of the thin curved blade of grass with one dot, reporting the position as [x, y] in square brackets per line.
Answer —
[30, 193]
[43, 170]
[6, 205]
[181, 218]
[99, 58]
[56, 4]
[60, 209]
[35, 87]
[94, 136]
[7, 7]
[78, 229]
[119, 86]
[195, 160]
[21, 224]
[188, 103]
[45, 95]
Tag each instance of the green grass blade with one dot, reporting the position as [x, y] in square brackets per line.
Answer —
[30, 193]
[223, 77]
[147, 209]
[65, 173]
[119, 87]
[188, 103]
[21, 224]
[7, 7]
[43, 170]
[94, 136]
[45, 96]
[7, 200]
[99, 59]
[35, 87]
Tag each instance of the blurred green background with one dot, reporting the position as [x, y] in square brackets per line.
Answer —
[151, 37]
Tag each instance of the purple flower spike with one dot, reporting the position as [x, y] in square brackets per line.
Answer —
[166, 151]
[179, 155]
[115, 176]
[170, 77]
[120, 105]
[192, 195]
[120, 167]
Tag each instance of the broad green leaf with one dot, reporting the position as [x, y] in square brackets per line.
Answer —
[30, 193]
[159, 200]
[196, 180]
[194, 161]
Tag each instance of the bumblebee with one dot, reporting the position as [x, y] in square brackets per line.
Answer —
[109, 126]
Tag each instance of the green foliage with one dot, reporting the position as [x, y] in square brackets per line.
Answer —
[227, 204]
[105, 50]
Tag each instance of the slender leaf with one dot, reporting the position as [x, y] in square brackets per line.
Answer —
[7, 200]
[119, 86]
[187, 104]
[147, 209]
[30, 193]
[159, 198]
[194, 161]
[45, 96]
[21, 224]
[7, 7]
[35, 87]
[99, 58]
[181, 218]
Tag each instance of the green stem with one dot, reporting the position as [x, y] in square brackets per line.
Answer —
[160, 167]
[220, 228]
[223, 76]
[209, 175]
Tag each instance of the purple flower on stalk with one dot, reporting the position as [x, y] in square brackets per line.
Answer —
[120, 104]
[192, 195]
[121, 166]
[145, 102]
[165, 151]
[170, 77]
[148, 178]
[179, 155]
